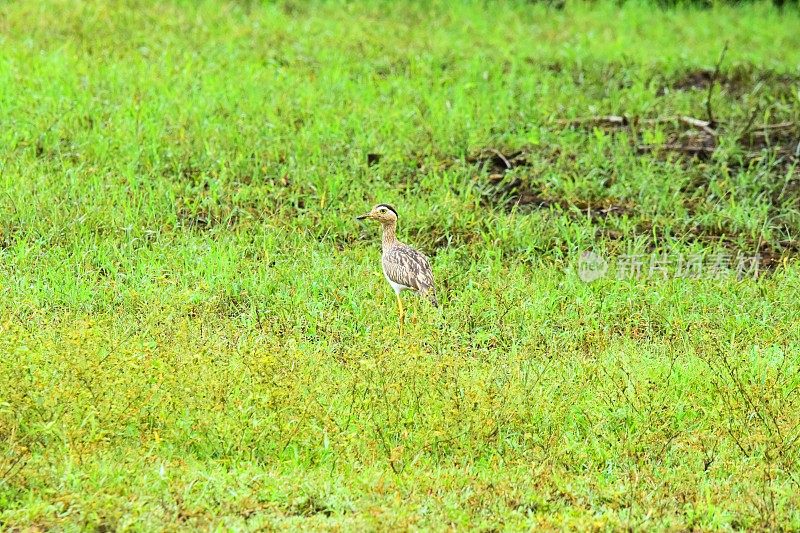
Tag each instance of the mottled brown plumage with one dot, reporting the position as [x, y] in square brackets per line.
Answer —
[409, 268]
[404, 267]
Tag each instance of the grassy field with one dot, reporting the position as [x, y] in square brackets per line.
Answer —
[195, 332]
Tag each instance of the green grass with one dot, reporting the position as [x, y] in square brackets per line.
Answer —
[196, 333]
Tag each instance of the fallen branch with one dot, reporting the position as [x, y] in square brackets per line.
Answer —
[608, 120]
[501, 156]
[707, 127]
[622, 121]
[672, 147]
[703, 125]
[772, 127]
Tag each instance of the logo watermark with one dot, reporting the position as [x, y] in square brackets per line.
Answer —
[592, 266]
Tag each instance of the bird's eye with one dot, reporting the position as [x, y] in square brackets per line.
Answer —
[383, 210]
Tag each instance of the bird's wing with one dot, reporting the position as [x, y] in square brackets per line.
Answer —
[406, 266]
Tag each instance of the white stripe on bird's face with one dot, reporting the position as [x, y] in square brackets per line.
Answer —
[383, 213]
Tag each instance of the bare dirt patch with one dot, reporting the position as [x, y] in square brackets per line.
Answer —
[509, 191]
[513, 192]
[691, 137]
[736, 81]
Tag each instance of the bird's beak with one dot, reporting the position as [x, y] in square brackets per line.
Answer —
[365, 215]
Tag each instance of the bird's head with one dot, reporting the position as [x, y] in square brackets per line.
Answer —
[383, 213]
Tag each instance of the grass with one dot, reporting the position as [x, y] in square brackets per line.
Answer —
[196, 332]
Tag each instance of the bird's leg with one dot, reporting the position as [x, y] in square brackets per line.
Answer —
[401, 312]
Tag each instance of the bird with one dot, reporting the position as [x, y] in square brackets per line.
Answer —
[404, 267]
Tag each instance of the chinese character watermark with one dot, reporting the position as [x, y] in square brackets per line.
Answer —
[592, 266]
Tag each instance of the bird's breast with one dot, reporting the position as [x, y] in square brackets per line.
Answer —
[397, 287]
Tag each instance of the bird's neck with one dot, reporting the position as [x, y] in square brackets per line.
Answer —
[389, 235]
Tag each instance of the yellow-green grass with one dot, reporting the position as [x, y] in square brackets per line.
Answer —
[195, 332]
